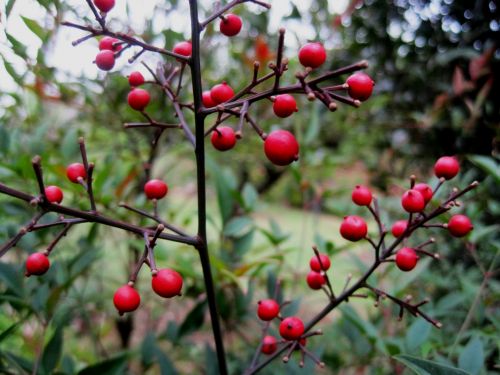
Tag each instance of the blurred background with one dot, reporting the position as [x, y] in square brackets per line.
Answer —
[436, 68]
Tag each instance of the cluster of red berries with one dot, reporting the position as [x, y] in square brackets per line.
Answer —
[319, 264]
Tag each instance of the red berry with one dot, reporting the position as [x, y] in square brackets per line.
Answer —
[223, 138]
[425, 190]
[126, 299]
[221, 93]
[230, 25]
[459, 225]
[361, 195]
[37, 264]
[109, 43]
[312, 55]
[284, 105]
[413, 201]
[183, 48]
[135, 79]
[315, 280]
[54, 194]
[206, 98]
[74, 171]
[105, 60]
[291, 328]
[138, 99]
[406, 259]
[268, 309]
[447, 167]
[360, 86]
[314, 263]
[399, 227]
[269, 345]
[167, 283]
[281, 147]
[353, 228]
[104, 5]
[155, 189]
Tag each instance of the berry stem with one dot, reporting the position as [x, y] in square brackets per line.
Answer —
[58, 238]
[37, 167]
[24, 229]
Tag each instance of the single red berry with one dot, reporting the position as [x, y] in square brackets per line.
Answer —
[167, 283]
[314, 263]
[126, 299]
[109, 43]
[221, 93]
[284, 105]
[406, 259]
[37, 264]
[54, 194]
[155, 189]
[268, 309]
[74, 171]
[105, 60]
[104, 5]
[269, 345]
[312, 55]
[206, 98]
[360, 86]
[230, 25]
[291, 328]
[281, 147]
[361, 195]
[315, 280]
[183, 48]
[353, 228]
[459, 225]
[135, 79]
[413, 201]
[399, 227]
[425, 190]
[138, 99]
[447, 167]
[223, 138]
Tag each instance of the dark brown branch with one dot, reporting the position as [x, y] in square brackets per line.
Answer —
[25, 229]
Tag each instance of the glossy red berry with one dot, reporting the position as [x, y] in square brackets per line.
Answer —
[361, 195]
[314, 263]
[284, 105]
[105, 60]
[315, 280]
[281, 147]
[135, 79]
[221, 93]
[459, 225]
[223, 138]
[268, 309]
[269, 345]
[104, 5]
[291, 328]
[138, 99]
[126, 299]
[413, 201]
[360, 86]
[37, 264]
[230, 25]
[425, 190]
[406, 259]
[111, 44]
[183, 48]
[155, 189]
[74, 171]
[447, 167]
[353, 228]
[312, 55]
[167, 283]
[206, 98]
[54, 194]
[399, 227]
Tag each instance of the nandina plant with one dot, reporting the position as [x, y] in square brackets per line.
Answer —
[213, 108]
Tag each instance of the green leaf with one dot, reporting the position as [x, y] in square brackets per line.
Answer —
[112, 366]
[194, 319]
[238, 226]
[6, 333]
[417, 334]
[472, 357]
[166, 366]
[8, 7]
[425, 367]
[18, 48]
[38, 30]
[148, 349]
[52, 351]
[250, 196]
[225, 183]
[10, 275]
[12, 72]
[487, 164]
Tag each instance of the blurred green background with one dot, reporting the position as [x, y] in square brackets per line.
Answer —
[436, 67]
